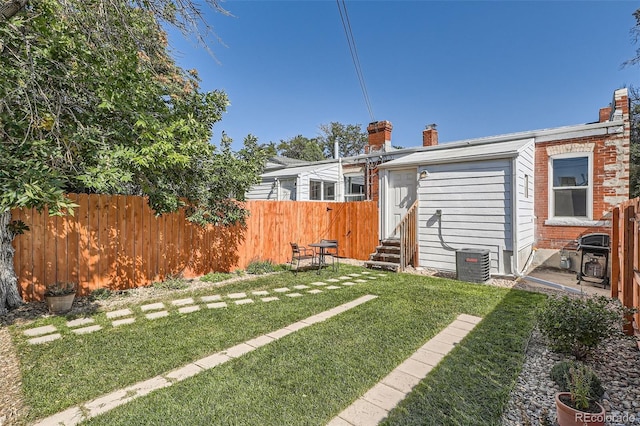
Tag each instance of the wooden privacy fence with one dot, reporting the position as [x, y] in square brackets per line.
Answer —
[625, 256]
[117, 242]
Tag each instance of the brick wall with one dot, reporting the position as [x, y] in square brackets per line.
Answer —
[610, 178]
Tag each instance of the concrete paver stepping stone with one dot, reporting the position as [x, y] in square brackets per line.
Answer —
[260, 293]
[279, 333]
[125, 321]
[294, 294]
[426, 356]
[332, 280]
[365, 272]
[469, 318]
[337, 421]
[319, 283]
[237, 295]
[80, 321]
[415, 368]
[156, 315]
[438, 347]
[40, 330]
[344, 278]
[315, 291]
[384, 396]
[361, 281]
[244, 301]
[212, 298]
[217, 305]
[348, 283]
[189, 309]
[44, 339]
[382, 275]
[332, 287]
[87, 330]
[300, 287]
[269, 299]
[238, 350]
[372, 278]
[212, 360]
[152, 307]
[363, 413]
[281, 290]
[354, 275]
[182, 302]
[298, 325]
[401, 381]
[260, 341]
[185, 372]
[71, 416]
[119, 313]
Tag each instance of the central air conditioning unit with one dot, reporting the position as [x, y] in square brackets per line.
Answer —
[473, 265]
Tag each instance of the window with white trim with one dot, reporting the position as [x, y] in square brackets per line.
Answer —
[320, 190]
[571, 186]
[354, 187]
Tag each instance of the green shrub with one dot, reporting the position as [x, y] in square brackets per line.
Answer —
[259, 267]
[172, 282]
[101, 294]
[576, 325]
[572, 375]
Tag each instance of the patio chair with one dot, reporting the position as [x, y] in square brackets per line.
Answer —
[299, 253]
[333, 252]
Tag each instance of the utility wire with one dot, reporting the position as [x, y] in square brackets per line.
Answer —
[346, 24]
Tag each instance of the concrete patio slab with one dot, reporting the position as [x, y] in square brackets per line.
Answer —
[38, 331]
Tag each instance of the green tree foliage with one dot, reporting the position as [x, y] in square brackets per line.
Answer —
[91, 100]
[301, 148]
[350, 137]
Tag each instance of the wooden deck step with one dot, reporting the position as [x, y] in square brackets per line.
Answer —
[381, 265]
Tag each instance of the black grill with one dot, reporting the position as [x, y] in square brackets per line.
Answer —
[594, 259]
[473, 265]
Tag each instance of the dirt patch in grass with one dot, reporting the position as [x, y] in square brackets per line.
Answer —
[11, 405]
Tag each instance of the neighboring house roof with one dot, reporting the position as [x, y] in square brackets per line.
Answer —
[280, 161]
[295, 171]
[461, 151]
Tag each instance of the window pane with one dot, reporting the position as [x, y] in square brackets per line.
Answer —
[571, 172]
[329, 191]
[570, 202]
[315, 190]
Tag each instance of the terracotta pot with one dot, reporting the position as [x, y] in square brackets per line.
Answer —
[60, 304]
[568, 416]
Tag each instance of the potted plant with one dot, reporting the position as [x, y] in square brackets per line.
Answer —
[577, 404]
[59, 297]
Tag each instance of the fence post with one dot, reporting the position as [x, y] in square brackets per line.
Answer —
[615, 252]
[628, 261]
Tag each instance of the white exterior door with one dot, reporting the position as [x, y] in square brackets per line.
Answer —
[402, 194]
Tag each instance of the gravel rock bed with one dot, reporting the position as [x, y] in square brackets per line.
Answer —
[617, 364]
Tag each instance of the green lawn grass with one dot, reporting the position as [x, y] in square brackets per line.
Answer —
[304, 378]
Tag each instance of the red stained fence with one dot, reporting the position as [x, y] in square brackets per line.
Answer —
[117, 242]
[625, 256]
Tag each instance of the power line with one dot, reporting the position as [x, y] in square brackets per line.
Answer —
[346, 24]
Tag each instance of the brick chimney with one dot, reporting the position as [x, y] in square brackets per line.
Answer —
[430, 136]
[379, 136]
[605, 114]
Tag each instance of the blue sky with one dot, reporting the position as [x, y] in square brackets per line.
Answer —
[476, 68]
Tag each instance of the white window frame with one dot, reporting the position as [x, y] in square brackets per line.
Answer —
[353, 196]
[551, 191]
[322, 189]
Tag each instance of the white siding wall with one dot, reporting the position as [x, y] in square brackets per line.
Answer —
[265, 190]
[326, 175]
[524, 214]
[475, 200]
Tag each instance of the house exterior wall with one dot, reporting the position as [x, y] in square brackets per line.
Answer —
[525, 201]
[610, 178]
[475, 200]
[265, 190]
[325, 175]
